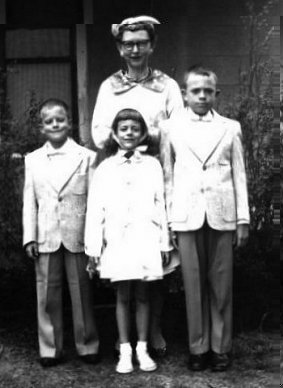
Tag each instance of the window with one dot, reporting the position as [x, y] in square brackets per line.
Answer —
[39, 62]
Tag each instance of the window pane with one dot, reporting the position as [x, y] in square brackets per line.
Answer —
[43, 43]
[50, 80]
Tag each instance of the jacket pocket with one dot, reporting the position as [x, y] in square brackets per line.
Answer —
[179, 210]
[80, 184]
[229, 208]
[41, 227]
[223, 162]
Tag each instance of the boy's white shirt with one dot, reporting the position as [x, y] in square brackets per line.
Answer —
[202, 131]
[59, 159]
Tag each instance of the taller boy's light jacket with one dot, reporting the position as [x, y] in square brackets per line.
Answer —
[209, 178]
[52, 214]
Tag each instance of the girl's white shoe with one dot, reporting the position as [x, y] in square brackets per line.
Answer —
[145, 361]
[125, 364]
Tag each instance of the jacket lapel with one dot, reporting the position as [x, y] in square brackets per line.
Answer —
[74, 163]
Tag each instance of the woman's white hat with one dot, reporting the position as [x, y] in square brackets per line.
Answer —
[115, 28]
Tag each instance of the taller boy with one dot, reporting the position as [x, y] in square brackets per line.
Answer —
[57, 178]
[209, 203]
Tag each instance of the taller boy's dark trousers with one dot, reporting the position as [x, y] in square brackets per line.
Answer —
[207, 262]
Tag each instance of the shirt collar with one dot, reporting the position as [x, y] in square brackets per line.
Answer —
[155, 81]
[51, 151]
[195, 117]
[135, 158]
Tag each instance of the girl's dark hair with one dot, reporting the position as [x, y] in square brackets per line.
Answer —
[111, 146]
[138, 27]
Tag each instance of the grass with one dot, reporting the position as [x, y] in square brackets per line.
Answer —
[252, 355]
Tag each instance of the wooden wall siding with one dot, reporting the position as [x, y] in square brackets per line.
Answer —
[2, 11]
[281, 55]
[275, 54]
[44, 12]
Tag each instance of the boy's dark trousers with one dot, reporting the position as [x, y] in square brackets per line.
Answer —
[49, 276]
[207, 263]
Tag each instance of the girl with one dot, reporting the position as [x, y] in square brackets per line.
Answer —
[126, 233]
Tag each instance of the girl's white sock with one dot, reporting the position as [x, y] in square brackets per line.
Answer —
[141, 346]
[125, 348]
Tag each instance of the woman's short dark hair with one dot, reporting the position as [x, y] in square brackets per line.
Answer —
[137, 27]
[111, 146]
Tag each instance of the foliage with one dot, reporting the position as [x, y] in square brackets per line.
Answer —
[281, 170]
[253, 107]
[17, 139]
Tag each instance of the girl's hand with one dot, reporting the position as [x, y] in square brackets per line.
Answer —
[91, 267]
[166, 258]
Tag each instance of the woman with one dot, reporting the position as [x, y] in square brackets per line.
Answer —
[157, 97]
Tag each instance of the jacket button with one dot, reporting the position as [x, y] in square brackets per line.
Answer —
[60, 199]
[204, 168]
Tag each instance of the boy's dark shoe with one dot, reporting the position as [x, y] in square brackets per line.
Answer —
[47, 362]
[198, 362]
[220, 362]
[158, 352]
[91, 358]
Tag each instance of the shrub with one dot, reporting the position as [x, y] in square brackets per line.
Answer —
[17, 139]
[253, 107]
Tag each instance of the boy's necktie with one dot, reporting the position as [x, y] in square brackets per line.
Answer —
[129, 154]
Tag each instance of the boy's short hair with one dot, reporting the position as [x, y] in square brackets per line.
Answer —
[200, 70]
[51, 102]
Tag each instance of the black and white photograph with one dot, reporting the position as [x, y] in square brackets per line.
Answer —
[140, 180]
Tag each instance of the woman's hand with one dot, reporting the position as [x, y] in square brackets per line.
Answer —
[91, 267]
[166, 258]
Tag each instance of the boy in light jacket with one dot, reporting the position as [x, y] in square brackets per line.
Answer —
[57, 178]
[208, 210]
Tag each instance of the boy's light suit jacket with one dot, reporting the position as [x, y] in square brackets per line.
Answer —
[214, 187]
[53, 216]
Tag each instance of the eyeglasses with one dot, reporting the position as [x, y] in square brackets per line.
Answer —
[141, 44]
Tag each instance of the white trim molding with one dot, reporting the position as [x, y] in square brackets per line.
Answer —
[82, 84]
